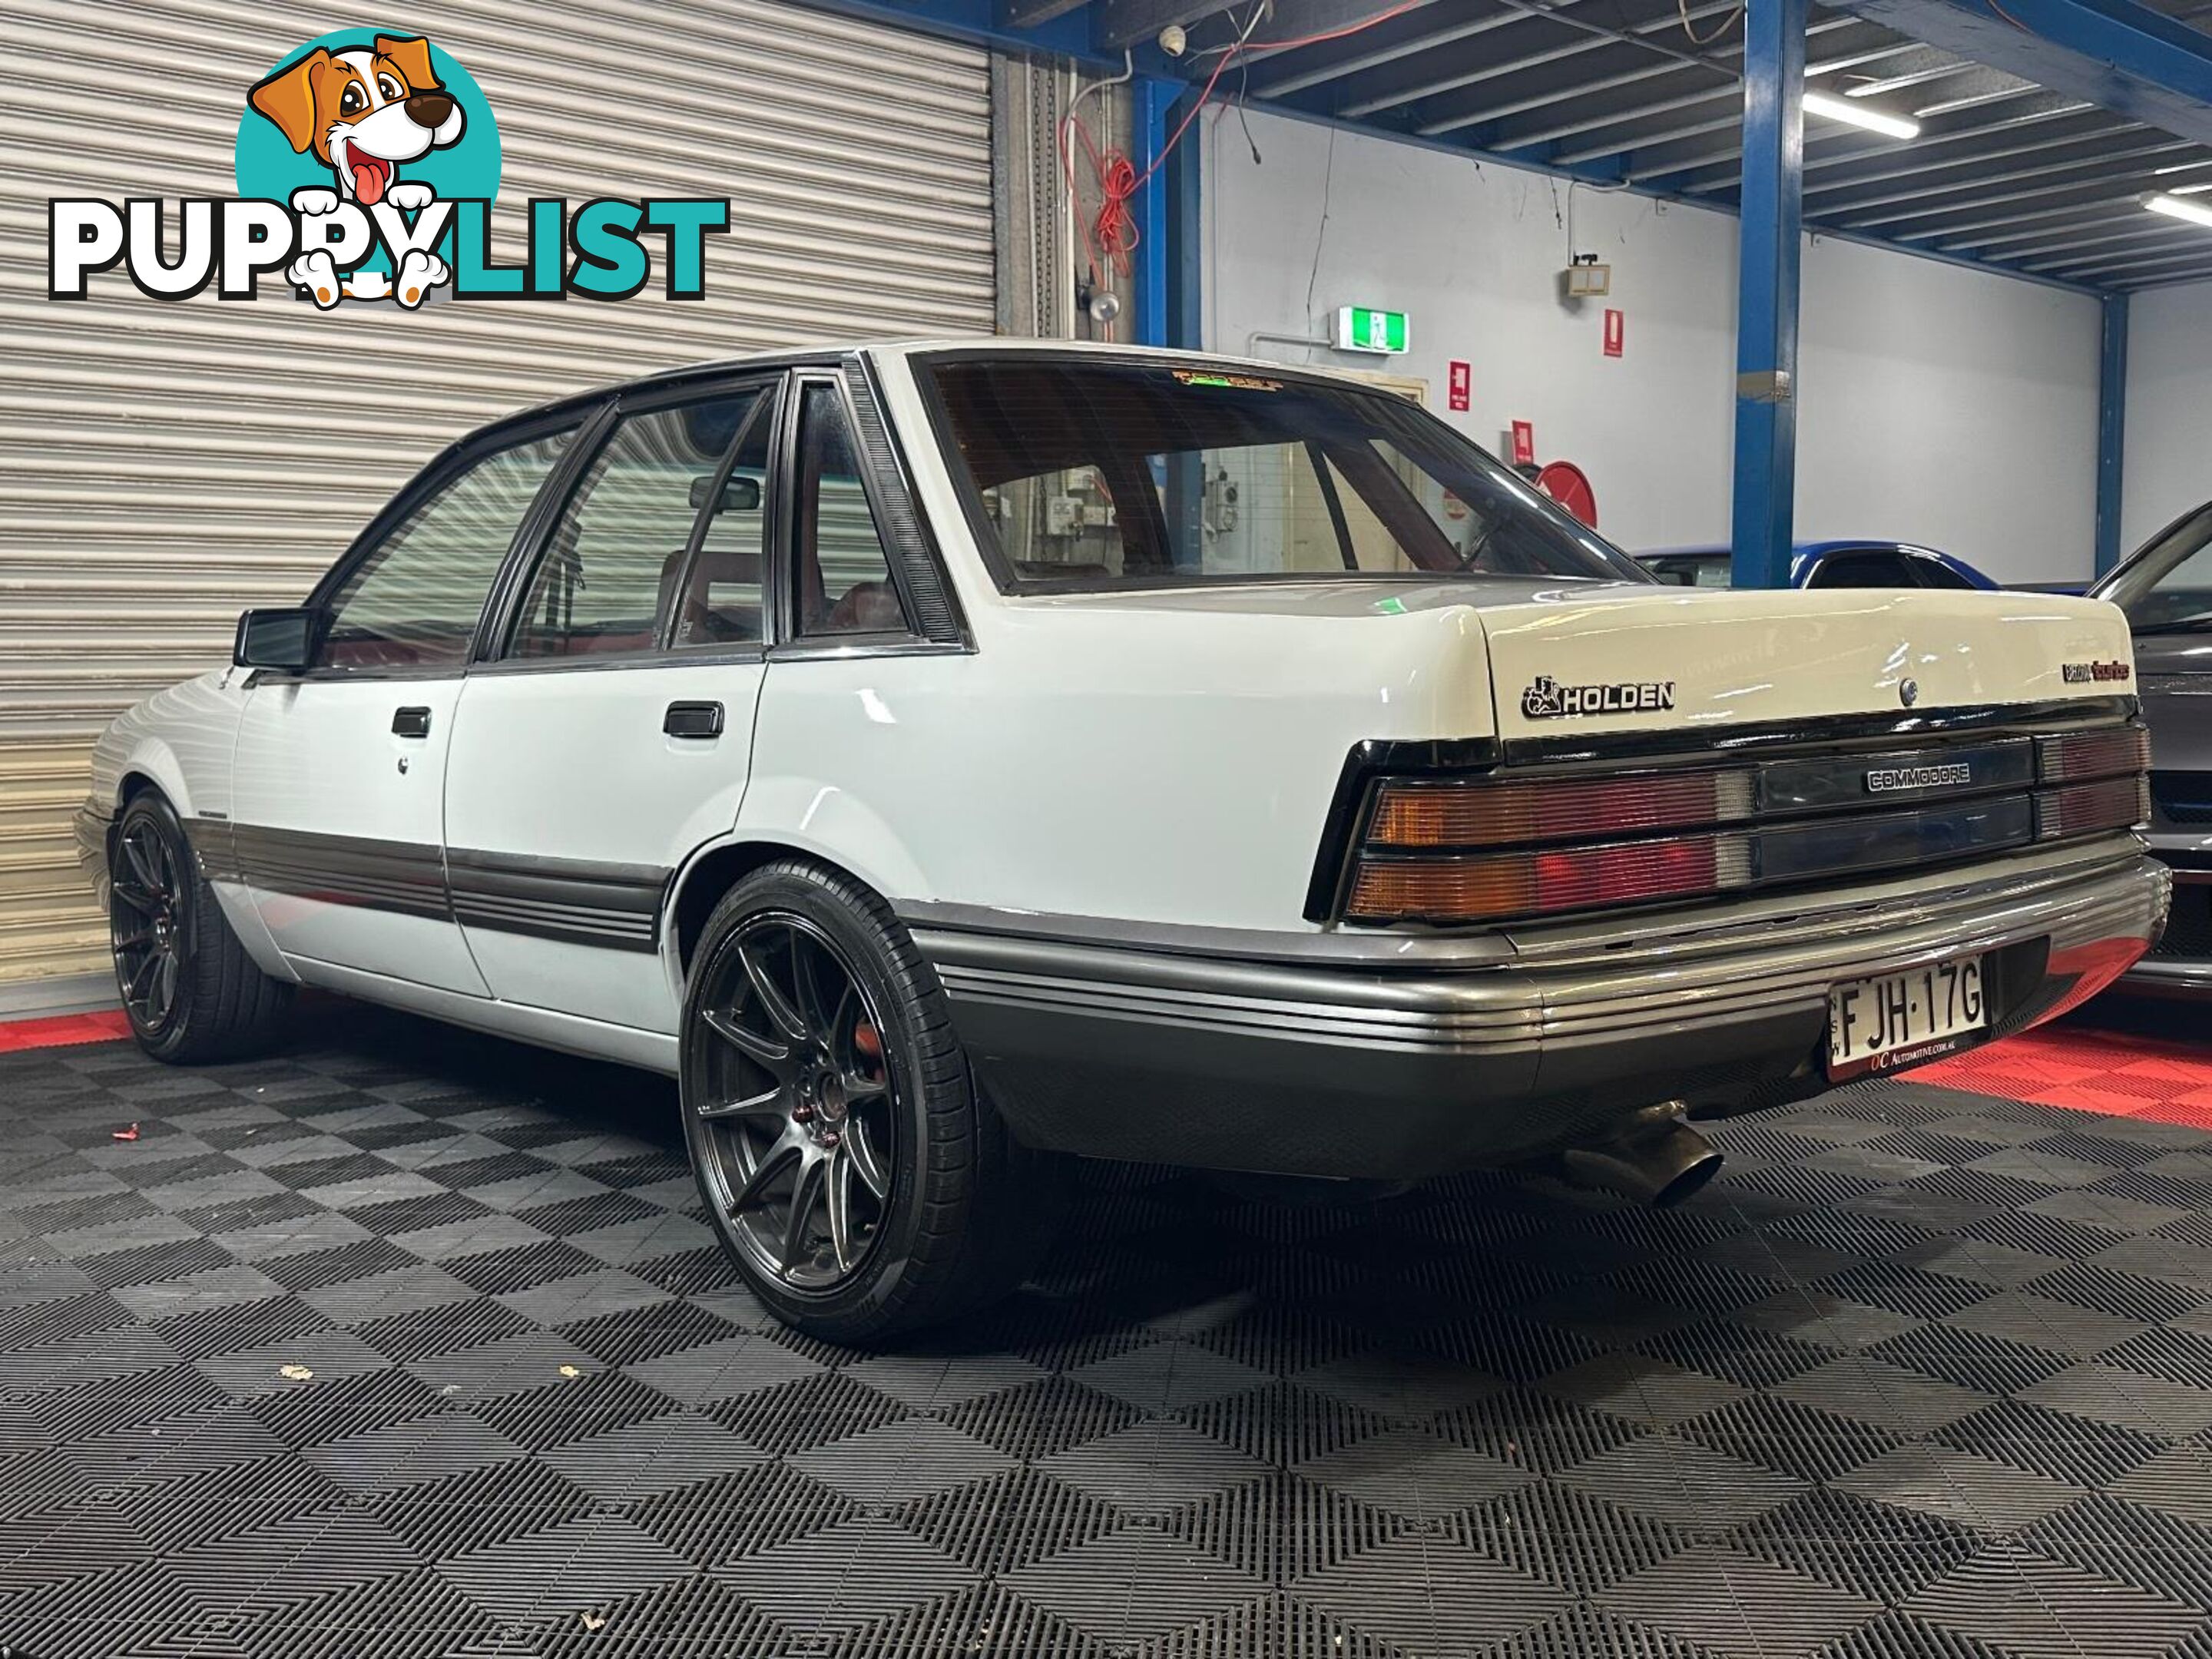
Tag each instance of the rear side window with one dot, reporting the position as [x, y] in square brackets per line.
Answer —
[1869, 568]
[1933, 573]
[613, 569]
[415, 601]
[845, 584]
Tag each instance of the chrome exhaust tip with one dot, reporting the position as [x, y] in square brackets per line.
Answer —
[1661, 1164]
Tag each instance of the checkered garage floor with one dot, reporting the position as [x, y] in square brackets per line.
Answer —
[412, 1344]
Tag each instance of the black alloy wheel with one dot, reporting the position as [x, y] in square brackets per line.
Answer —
[798, 1115]
[861, 1181]
[192, 990]
[149, 923]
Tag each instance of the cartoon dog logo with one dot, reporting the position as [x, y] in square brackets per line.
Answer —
[363, 114]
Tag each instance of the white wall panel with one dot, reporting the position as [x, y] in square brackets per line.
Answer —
[2168, 467]
[1936, 404]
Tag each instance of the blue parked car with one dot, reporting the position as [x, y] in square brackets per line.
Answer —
[1825, 564]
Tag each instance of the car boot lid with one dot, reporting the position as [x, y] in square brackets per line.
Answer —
[1637, 659]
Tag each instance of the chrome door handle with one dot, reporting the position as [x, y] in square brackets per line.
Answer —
[410, 723]
[693, 720]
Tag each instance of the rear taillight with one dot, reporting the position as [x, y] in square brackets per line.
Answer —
[1429, 857]
[2080, 809]
[1429, 815]
[1541, 883]
[2100, 754]
[1492, 846]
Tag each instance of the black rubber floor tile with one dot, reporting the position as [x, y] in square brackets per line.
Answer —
[2131, 1542]
[1882, 1552]
[412, 1615]
[410, 1343]
[1568, 1536]
[2083, 1453]
[731, 1517]
[980, 1620]
[659, 1330]
[2025, 1603]
[1026, 1515]
[1734, 1603]
[1775, 1431]
[505, 1383]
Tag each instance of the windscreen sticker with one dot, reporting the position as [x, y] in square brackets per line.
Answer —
[1228, 382]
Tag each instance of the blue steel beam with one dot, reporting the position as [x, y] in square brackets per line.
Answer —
[1151, 116]
[1768, 246]
[2118, 54]
[2111, 428]
[1183, 176]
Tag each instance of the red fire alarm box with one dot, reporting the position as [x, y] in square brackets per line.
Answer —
[1461, 389]
[1615, 326]
[1524, 443]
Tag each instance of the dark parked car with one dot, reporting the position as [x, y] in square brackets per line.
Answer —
[1824, 564]
[2165, 589]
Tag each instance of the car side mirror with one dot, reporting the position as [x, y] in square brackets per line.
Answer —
[284, 639]
[738, 495]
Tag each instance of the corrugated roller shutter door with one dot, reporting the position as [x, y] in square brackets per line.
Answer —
[164, 465]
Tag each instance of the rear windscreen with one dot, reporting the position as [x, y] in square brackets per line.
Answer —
[1100, 472]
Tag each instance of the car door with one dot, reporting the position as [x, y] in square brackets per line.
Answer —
[607, 733]
[338, 800]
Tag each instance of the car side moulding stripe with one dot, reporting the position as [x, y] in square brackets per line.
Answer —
[615, 906]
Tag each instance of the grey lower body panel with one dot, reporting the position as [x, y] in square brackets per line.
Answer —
[1309, 1068]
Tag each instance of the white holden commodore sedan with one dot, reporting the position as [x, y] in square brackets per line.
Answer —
[941, 758]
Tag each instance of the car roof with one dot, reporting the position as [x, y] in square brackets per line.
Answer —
[879, 349]
[1801, 550]
[891, 348]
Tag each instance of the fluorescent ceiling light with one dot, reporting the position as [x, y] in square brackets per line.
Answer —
[2177, 208]
[1858, 115]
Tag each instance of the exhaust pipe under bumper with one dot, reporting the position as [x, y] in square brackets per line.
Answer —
[1661, 1161]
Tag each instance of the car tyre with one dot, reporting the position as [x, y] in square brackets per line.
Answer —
[189, 990]
[858, 1178]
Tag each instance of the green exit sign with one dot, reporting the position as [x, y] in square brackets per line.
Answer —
[1359, 329]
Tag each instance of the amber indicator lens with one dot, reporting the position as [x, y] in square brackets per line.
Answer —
[1485, 814]
[1533, 884]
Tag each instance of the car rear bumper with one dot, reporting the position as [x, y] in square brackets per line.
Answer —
[1360, 1054]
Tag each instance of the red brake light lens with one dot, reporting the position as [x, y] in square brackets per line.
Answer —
[1540, 882]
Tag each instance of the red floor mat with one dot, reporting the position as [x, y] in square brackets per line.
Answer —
[2088, 1070]
[62, 1030]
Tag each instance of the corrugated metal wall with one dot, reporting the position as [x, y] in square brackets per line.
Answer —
[163, 465]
